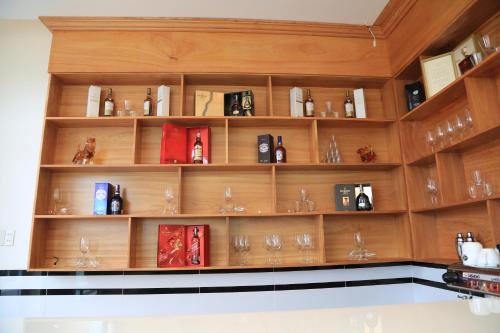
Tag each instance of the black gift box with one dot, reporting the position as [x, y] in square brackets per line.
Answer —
[265, 148]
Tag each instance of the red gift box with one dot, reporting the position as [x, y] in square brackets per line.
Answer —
[205, 140]
[173, 144]
[198, 248]
[171, 246]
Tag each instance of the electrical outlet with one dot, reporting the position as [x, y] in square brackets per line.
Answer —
[9, 237]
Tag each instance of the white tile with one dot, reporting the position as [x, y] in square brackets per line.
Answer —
[236, 279]
[160, 281]
[237, 302]
[22, 306]
[311, 299]
[422, 294]
[22, 282]
[379, 295]
[83, 282]
[372, 273]
[428, 273]
[330, 275]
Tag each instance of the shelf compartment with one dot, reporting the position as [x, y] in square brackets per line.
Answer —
[148, 139]
[384, 140]
[435, 231]
[455, 205]
[61, 238]
[70, 95]
[288, 227]
[388, 236]
[203, 192]
[387, 187]
[298, 141]
[227, 83]
[113, 144]
[142, 192]
[144, 240]
[327, 89]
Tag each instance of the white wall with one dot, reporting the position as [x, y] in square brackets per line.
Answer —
[24, 54]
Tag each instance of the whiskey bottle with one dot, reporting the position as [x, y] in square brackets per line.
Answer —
[309, 104]
[467, 62]
[109, 104]
[198, 149]
[349, 106]
[362, 200]
[148, 103]
[195, 247]
[116, 202]
[236, 107]
[280, 151]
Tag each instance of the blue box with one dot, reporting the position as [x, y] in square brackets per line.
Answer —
[102, 197]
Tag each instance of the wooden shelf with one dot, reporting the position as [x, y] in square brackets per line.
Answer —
[454, 205]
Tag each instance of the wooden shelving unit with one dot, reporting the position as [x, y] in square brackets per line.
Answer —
[128, 151]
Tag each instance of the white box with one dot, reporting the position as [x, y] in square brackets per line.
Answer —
[93, 101]
[359, 103]
[296, 102]
[163, 101]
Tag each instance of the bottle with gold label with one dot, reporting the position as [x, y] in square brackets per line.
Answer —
[349, 106]
[198, 149]
[309, 105]
[109, 104]
[148, 103]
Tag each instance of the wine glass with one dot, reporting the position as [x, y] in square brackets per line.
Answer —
[305, 244]
[488, 189]
[432, 189]
[270, 248]
[241, 245]
[440, 135]
[459, 125]
[477, 178]
[168, 194]
[468, 118]
[84, 250]
[472, 190]
[450, 130]
[430, 139]
[56, 199]
[277, 244]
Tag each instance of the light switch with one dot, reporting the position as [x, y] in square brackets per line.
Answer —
[9, 237]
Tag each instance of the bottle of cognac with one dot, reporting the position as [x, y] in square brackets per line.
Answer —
[198, 149]
[109, 104]
[467, 62]
[236, 109]
[148, 103]
[362, 200]
[280, 151]
[349, 106]
[116, 202]
[309, 105]
[195, 247]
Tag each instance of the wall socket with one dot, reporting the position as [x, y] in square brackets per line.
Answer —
[7, 237]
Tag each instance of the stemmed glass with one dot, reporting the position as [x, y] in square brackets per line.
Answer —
[84, 250]
[273, 245]
[468, 118]
[241, 245]
[459, 125]
[56, 199]
[432, 189]
[450, 130]
[169, 207]
[359, 252]
[305, 245]
[430, 139]
[440, 136]
[228, 198]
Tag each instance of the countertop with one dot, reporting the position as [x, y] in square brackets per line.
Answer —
[450, 316]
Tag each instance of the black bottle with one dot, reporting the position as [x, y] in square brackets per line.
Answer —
[116, 202]
[362, 200]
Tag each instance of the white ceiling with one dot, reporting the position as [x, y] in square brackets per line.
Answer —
[332, 11]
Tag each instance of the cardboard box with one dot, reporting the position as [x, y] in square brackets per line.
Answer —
[198, 252]
[265, 148]
[171, 246]
[163, 101]
[102, 197]
[173, 144]
[345, 197]
[208, 103]
[359, 103]
[205, 140]
[245, 101]
[367, 189]
[296, 102]
[93, 101]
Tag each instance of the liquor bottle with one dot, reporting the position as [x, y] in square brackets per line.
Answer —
[309, 105]
[109, 104]
[467, 62]
[280, 151]
[148, 103]
[349, 106]
[236, 107]
[116, 202]
[198, 149]
[469, 237]
[362, 200]
[459, 241]
[195, 247]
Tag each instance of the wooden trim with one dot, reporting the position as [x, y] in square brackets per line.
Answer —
[208, 25]
[392, 14]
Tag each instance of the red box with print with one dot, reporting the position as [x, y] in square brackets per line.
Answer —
[198, 246]
[173, 144]
[171, 246]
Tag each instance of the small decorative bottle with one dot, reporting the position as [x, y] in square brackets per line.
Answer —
[362, 200]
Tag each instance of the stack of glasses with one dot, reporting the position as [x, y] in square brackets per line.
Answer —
[332, 155]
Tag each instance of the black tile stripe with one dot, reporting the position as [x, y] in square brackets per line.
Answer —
[157, 291]
[236, 289]
[60, 292]
[315, 285]
[378, 282]
[429, 264]
[23, 292]
[88, 273]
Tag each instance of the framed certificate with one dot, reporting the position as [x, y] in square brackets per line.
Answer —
[438, 72]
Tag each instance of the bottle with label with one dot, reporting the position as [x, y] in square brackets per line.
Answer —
[116, 202]
[236, 109]
[469, 237]
[148, 103]
[467, 62]
[109, 104]
[362, 200]
[349, 106]
[195, 247]
[198, 149]
[280, 151]
[309, 105]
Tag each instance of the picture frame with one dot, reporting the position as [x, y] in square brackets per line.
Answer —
[438, 72]
[472, 45]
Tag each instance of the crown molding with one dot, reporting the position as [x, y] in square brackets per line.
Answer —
[57, 23]
[392, 14]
